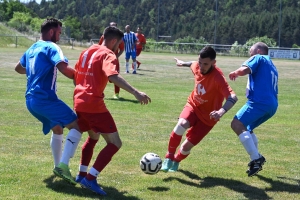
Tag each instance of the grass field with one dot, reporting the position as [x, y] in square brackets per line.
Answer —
[215, 168]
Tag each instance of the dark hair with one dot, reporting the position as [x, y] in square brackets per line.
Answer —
[263, 47]
[208, 52]
[50, 23]
[112, 32]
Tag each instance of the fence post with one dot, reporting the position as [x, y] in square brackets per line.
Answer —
[16, 41]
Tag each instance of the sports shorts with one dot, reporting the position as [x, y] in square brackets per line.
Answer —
[97, 122]
[132, 54]
[50, 112]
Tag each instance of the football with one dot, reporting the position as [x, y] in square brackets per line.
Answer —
[150, 163]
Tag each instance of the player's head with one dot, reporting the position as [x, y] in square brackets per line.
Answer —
[259, 48]
[113, 24]
[139, 30]
[207, 59]
[51, 29]
[127, 29]
[112, 37]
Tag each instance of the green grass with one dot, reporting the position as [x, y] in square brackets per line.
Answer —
[215, 168]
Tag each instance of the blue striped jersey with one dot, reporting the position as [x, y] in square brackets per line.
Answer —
[129, 41]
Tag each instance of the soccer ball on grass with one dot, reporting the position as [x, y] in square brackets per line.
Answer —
[150, 163]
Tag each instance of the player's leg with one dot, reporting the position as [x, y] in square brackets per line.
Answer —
[194, 135]
[133, 56]
[127, 56]
[138, 52]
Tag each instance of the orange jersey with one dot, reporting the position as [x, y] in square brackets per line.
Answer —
[121, 45]
[141, 40]
[93, 68]
[209, 93]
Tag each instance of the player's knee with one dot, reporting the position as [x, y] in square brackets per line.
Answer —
[57, 130]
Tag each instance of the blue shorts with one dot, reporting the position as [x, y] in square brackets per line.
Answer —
[50, 112]
[128, 54]
[252, 115]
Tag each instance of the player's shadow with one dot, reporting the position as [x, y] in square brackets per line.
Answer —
[279, 186]
[248, 191]
[61, 186]
[146, 70]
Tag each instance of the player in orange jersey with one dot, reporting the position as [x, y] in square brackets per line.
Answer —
[118, 52]
[96, 66]
[140, 44]
[203, 108]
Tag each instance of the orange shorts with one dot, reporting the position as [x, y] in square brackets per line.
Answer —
[97, 122]
[198, 130]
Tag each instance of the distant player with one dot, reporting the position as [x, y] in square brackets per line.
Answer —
[130, 41]
[262, 90]
[203, 108]
[118, 52]
[140, 44]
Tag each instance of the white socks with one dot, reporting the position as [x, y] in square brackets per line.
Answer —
[94, 172]
[56, 143]
[127, 66]
[71, 144]
[134, 66]
[249, 145]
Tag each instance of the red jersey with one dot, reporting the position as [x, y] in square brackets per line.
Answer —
[121, 45]
[141, 40]
[209, 93]
[93, 68]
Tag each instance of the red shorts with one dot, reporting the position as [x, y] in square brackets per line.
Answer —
[138, 51]
[198, 130]
[97, 122]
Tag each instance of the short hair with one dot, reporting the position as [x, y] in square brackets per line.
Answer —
[112, 32]
[110, 24]
[263, 47]
[208, 52]
[50, 23]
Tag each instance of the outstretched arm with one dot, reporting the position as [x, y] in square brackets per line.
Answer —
[242, 71]
[181, 63]
[66, 70]
[122, 83]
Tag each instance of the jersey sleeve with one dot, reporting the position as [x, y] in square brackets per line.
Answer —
[252, 63]
[110, 64]
[23, 60]
[223, 86]
[56, 55]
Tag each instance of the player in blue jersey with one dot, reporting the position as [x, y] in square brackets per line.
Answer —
[262, 101]
[130, 41]
[40, 63]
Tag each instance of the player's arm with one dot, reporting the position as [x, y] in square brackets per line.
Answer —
[20, 69]
[229, 103]
[66, 70]
[122, 83]
[119, 53]
[242, 71]
[181, 63]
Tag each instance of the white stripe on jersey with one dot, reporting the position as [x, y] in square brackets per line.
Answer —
[129, 41]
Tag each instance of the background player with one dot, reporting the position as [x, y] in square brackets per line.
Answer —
[130, 41]
[261, 91]
[203, 108]
[139, 45]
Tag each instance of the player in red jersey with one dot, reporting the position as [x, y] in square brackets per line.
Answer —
[118, 52]
[203, 108]
[96, 66]
[140, 44]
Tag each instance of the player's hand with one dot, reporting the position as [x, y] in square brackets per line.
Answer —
[233, 76]
[178, 62]
[142, 97]
[217, 114]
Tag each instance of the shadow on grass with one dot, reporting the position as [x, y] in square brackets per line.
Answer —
[248, 191]
[158, 189]
[146, 70]
[121, 99]
[61, 186]
[279, 186]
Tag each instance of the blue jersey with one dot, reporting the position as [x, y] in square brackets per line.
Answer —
[40, 61]
[262, 86]
[129, 41]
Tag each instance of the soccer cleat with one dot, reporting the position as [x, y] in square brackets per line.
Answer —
[256, 166]
[167, 164]
[116, 96]
[174, 167]
[79, 178]
[138, 66]
[127, 72]
[92, 185]
[134, 72]
[63, 171]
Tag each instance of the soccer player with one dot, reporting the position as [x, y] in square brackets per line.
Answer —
[40, 63]
[139, 45]
[118, 52]
[203, 108]
[130, 41]
[96, 66]
[262, 103]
